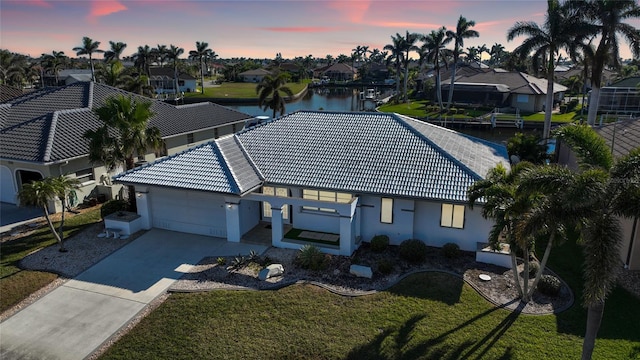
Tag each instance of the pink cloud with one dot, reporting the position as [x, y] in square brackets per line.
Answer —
[354, 11]
[302, 29]
[38, 3]
[101, 8]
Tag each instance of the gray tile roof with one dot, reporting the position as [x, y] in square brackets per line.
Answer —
[518, 82]
[216, 166]
[48, 125]
[622, 136]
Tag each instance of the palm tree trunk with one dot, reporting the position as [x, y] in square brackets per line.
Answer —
[453, 76]
[594, 318]
[548, 105]
[594, 99]
[439, 90]
[61, 226]
[543, 263]
[525, 278]
[202, 74]
[397, 81]
[93, 77]
[51, 227]
[406, 80]
[516, 276]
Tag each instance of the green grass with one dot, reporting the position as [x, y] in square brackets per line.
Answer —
[295, 235]
[239, 90]
[16, 284]
[426, 316]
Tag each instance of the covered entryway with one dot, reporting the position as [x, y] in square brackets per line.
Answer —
[192, 212]
[8, 191]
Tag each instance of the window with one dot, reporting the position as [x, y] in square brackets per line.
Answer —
[190, 138]
[266, 207]
[85, 175]
[386, 211]
[452, 216]
[522, 98]
[324, 196]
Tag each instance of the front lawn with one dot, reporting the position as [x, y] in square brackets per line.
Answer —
[17, 284]
[238, 90]
[426, 316]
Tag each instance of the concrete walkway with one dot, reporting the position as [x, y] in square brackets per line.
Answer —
[73, 320]
[13, 215]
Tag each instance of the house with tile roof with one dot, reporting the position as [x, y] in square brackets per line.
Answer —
[355, 175]
[622, 137]
[41, 134]
[254, 75]
[162, 80]
[621, 97]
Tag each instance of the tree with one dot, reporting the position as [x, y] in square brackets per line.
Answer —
[54, 62]
[201, 52]
[434, 51]
[613, 190]
[89, 47]
[39, 193]
[409, 46]
[496, 54]
[12, 68]
[160, 54]
[396, 48]
[463, 31]
[116, 51]
[113, 74]
[607, 19]
[269, 89]
[173, 54]
[124, 134]
[529, 148]
[559, 31]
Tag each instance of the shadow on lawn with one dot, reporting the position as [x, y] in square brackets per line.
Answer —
[397, 341]
[436, 286]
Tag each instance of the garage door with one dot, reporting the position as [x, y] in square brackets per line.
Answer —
[190, 212]
[7, 186]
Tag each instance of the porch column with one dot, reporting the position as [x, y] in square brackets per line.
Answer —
[233, 221]
[144, 209]
[347, 235]
[276, 226]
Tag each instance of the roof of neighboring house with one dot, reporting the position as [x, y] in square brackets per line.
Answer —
[622, 136]
[374, 153]
[78, 77]
[340, 68]
[8, 92]
[48, 125]
[518, 82]
[255, 72]
[607, 75]
[63, 74]
[168, 73]
[630, 82]
[462, 70]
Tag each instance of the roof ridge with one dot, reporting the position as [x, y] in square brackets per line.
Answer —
[225, 167]
[50, 138]
[400, 118]
[248, 157]
[90, 95]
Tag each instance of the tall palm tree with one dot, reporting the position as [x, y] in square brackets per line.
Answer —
[139, 85]
[89, 47]
[269, 92]
[396, 48]
[496, 53]
[201, 52]
[607, 18]
[124, 135]
[54, 62]
[435, 52]
[173, 54]
[463, 31]
[64, 187]
[409, 45]
[12, 68]
[160, 54]
[613, 190]
[116, 51]
[559, 31]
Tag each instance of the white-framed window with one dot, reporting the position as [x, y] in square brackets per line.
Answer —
[274, 191]
[386, 211]
[321, 195]
[85, 175]
[452, 216]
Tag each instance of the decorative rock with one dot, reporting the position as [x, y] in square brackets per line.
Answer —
[271, 271]
[484, 277]
[361, 271]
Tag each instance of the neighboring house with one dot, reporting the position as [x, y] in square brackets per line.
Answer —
[69, 76]
[622, 137]
[353, 174]
[7, 93]
[500, 88]
[621, 97]
[255, 75]
[162, 80]
[41, 134]
[340, 72]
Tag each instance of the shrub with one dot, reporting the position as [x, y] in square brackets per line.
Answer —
[310, 257]
[379, 243]
[385, 266]
[221, 261]
[549, 285]
[451, 250]
[237, 262]
[413, 250]
[534, 267]
[253, 256]
[112, 206]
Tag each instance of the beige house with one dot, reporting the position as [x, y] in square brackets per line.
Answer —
[622, 137]
[42, 135]
[255, 75]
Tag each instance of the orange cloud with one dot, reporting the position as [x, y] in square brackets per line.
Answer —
[104, 7]
[354, 11]
[308, 29]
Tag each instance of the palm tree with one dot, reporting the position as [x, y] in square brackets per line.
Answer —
[496, 53]
[64, 187]
[12, 68]
[269, 92]
[409, 46]
[39, 193]
[559, 31]
[160, 54]
[116, 51]
[613, 190]
[89, 47]
[463, 31]
[173, 54]
[139, 85]
[433, 51]
[607, 19]
[113, 74]
[201, 52]
[396, 48]
[54, 62]
[124, 134]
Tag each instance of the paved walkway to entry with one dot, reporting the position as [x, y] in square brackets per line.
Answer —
[73, 320]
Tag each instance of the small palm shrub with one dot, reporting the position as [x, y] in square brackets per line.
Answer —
[549, 285]
[451, 250]
[113, 206]
[534, 267]
[221, 261]
[237, 262]
[413, 250]
[310, 257]
[385, 266]
[379, 243]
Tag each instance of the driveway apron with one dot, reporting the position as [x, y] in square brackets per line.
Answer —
[73, 320]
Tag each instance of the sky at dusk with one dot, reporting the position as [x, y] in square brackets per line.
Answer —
[255, 29]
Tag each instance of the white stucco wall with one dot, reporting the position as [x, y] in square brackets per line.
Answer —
[316, 220]
[403, 216]
[249, 215]
[427, 227]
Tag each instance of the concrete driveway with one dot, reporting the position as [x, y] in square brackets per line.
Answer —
[73, 320]
[13, 215]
